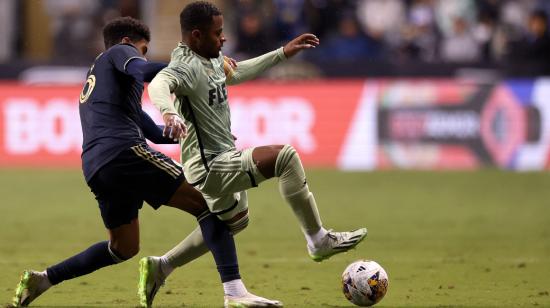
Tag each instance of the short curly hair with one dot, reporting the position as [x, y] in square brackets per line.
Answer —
[198, 15]
[121, 27]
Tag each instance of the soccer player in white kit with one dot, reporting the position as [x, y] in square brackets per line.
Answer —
[198, 74]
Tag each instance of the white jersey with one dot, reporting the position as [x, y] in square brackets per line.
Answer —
[199, 85]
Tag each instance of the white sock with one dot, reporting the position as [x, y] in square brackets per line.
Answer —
[315, 238]
[165, 266]
[44, 284]
[234, 288]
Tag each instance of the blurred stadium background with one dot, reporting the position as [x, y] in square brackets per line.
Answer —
[395, 84]
[454, 88]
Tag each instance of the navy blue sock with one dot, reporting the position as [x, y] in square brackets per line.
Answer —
[219, 239]
[91, 259]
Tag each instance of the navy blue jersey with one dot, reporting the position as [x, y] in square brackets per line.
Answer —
[110, 108]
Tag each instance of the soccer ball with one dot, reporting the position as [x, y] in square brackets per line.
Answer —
[364, 282]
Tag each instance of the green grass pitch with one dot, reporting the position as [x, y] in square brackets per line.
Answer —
[446, 239]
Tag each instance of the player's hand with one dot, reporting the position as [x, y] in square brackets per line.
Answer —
[229, 64]
[174, 127]
[304, 41]
[232, 62]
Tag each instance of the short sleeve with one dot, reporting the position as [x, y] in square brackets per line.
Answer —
[184, 74]
[120, 55]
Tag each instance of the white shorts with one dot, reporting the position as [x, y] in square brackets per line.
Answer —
[231, 174]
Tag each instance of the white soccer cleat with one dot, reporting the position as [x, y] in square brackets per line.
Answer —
[31, 285]
[249, 300]
[336, 242]
[151, 278]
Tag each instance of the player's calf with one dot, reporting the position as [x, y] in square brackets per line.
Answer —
[322, 244]
[294, 189]
[239, 222]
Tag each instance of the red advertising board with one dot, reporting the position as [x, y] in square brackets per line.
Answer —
[39, 126]
[347, 124]
[313, 117]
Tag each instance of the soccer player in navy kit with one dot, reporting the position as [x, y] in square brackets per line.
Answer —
[122, 170]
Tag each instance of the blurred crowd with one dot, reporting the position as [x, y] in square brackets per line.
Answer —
[456, 31]
[76, 25]
[396, 31]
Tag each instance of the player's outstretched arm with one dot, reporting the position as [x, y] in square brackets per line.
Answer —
[251, 68]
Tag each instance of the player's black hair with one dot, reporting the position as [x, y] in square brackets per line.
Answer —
[122, 27]
[198, 15]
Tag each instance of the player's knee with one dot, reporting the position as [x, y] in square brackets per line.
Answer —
[131, 251]
[122, 253]
[238, 223]
[188, 199]
[287, 155]
[236, 228]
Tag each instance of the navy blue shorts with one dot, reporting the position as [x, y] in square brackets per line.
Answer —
[137, 174]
